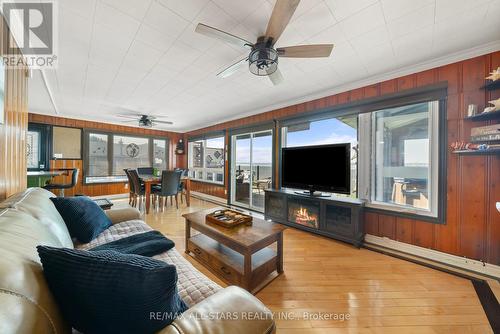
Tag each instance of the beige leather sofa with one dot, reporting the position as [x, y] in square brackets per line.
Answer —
[29, 219]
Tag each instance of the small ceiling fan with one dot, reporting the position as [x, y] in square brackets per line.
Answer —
[263, 57]
[145, 121]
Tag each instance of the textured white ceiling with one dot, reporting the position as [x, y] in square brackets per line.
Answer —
[144, 54]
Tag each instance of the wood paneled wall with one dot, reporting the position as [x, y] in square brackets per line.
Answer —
[209, 189]
[472, 228]
[106, 188]
[13, 130]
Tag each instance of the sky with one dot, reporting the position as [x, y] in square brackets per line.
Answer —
[329, 131]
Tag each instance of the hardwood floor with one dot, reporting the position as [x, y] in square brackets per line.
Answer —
[381, 294]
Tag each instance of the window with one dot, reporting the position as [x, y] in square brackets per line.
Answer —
[404, 168]
[206, 159]
[98, 155]
[338, 130]
[37, 147]
[108, 154]
[130, 152]
[159, 154]
[33, 149]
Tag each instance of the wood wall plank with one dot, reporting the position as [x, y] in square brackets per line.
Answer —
[15, 124]
[387, 226]
[404, 230]
[423, 234]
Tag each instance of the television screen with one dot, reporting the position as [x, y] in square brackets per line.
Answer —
[323, 168]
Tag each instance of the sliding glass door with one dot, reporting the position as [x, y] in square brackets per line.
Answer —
[251, 168]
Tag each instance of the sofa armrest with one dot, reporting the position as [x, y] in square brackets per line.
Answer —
[121, 215]
[231, 310]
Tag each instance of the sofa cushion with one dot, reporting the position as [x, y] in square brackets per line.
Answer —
[110, 292]
[193, 285]
[36, 203]
[25, 299]
[84, 218]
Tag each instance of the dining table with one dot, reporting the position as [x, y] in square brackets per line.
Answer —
[149, 180]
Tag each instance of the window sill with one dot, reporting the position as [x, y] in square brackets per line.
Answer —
[104, 180]
[404, 213]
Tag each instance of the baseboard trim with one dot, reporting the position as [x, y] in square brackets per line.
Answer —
[453, 262]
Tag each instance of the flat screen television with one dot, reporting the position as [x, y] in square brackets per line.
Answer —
[317, 168]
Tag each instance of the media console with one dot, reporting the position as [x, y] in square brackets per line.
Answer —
[336, 217]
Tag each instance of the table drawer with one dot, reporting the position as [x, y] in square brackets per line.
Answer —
[226, 272]
[198, 251]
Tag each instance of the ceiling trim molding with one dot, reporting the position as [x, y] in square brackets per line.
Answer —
[423, 66]
[49, 91]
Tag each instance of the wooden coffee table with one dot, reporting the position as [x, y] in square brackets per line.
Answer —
[240, 255]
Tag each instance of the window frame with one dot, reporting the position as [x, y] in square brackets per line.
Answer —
[438, 136]
[204, 170]
[434, 163]
[110, 135]
[45, 144]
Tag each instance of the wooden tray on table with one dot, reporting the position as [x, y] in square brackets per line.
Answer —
[228, 218]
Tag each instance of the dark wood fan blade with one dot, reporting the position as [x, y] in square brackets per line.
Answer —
[163, 122]
[282, 13]
[276, 77]
[221, 35]
[306, 51]
[232, 68]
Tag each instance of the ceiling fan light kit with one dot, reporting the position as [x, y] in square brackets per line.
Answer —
[263, 57]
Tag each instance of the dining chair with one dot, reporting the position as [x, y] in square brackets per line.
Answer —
[62, 186]
[131, 194]
[169, 187]
[182, 185]
[145, 170]
[138, 188]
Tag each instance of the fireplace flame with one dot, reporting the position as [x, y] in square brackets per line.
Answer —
[303, 217]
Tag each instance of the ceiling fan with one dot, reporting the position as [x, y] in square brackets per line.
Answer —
[263, 57]
[145, 121]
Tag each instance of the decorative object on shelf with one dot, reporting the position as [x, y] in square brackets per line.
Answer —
[485, 116]
[495, 107]
[179, 148]
[229, 218]
[485, 133]
[496, 103]
[471, 110]
[495, 75]
[460, 145]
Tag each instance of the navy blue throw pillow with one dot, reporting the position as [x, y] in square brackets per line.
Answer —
[83, 217]
[111, 292]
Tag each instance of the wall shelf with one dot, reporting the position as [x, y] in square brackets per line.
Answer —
[484, 116]
[478, 152]
[492, 85]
